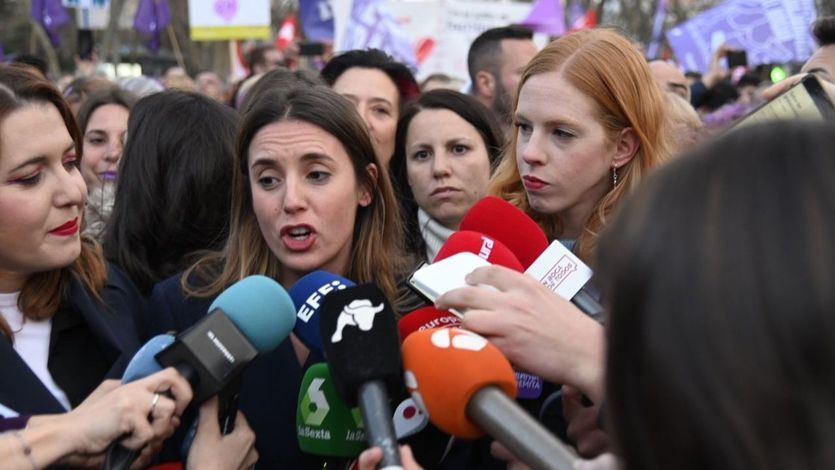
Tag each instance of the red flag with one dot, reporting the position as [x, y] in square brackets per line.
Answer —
[287, 33]
[587, 21]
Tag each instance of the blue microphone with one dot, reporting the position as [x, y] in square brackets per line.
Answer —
[251, 317]
[141, 365]
[307, 294]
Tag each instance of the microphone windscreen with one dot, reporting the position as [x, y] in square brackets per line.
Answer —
[307, 294]
[445, 367]
[506, 223]
[425, 318]
[488, 248]
[143, 362]
[324, 424]
[260, 308]
[359, 335]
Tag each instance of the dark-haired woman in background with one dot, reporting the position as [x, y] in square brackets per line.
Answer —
[379, 87]
[174, 197]
[447, 144]
[103, 119]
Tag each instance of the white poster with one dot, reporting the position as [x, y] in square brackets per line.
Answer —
[212, 20]
[442, 30]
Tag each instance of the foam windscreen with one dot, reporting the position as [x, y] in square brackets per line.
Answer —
[307, 294]
[443, 370]
[487, 248]
[143, 362]
[260, 308]
[425, 318]
[506, 223]
[359, 335]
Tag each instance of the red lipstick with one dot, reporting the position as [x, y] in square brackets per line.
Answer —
[68, 229]
[533, 183]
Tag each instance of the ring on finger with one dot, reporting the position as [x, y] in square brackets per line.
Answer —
[154, 403]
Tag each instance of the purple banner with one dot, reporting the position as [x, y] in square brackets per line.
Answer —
[152, 16]
[657, 29]
[373, 26]
[51, 15]
[317, 19]
[771, 31]
[546, 16]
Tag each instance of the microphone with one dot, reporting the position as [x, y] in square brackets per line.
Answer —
[504, 222]
[140, 366]
[425, 318]
[307, 294]
[561, 271]
[466, 385]
[362, 347]
[252, 316]
[554, 266]
[324, 424]
[487, 248]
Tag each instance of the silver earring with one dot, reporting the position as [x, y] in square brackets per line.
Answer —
[614, 177]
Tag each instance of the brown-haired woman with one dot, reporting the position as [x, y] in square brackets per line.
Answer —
[66, 317]
[308, 194]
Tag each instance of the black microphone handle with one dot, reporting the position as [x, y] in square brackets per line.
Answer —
[227, 405]
[376, 414]
[589, 305]
[518, 431]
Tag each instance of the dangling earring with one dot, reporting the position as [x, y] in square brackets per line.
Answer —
[614, 177]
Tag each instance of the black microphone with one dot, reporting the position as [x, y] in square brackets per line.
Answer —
[359, 335]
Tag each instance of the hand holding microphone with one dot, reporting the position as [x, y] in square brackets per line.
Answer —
[211, 449]
[537, 330]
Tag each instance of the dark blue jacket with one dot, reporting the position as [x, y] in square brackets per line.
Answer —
[270, 385]
[90, 342]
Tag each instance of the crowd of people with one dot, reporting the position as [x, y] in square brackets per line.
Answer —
[127, 207]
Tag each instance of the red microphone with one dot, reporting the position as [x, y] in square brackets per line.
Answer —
[466, 386]
[487, 248]
[506, 223]
[425, 318]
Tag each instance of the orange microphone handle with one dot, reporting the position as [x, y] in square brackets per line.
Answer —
[519, 432]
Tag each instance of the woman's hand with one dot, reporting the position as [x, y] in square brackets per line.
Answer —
[588, 438]
[370, 458]
[211, 449]
[536, 329]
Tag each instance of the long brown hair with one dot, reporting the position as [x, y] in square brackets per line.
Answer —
[43, 293]
[606, 67]
[376, 252]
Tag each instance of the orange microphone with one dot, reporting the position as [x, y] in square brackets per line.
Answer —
[467, 386]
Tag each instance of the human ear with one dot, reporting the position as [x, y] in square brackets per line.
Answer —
[485, 84]
[627, 144]
[367, 193]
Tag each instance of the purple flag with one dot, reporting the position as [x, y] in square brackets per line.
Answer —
[575, 12]
[373, 26]
[152, 16]
[51, 15]
[317, 19]
[547, 16]
[770, 31]
[657, 29]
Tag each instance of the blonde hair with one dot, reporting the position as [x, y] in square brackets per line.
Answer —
[684, 126]
[607, 68]
[376, 252]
